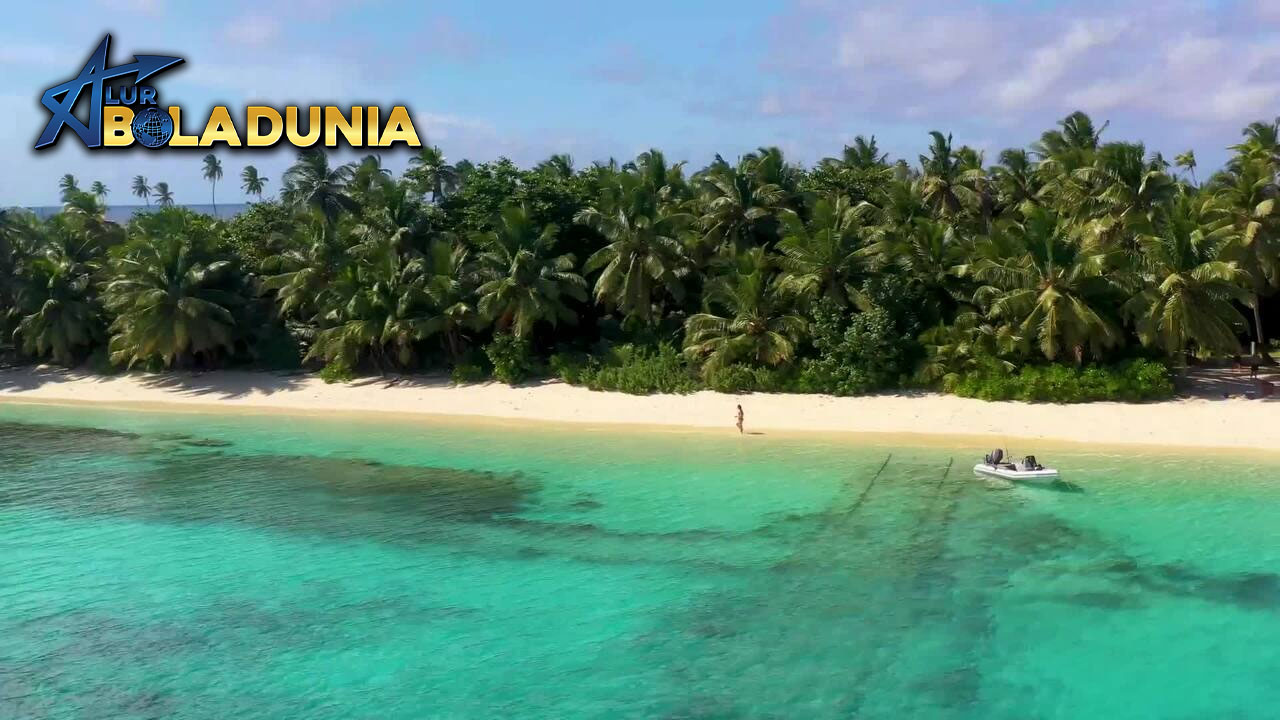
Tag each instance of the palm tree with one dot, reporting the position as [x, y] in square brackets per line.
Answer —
[433, 173]
[738, 203]
[449, 285]
[644, 251]
[754, 327]
[930, 254]
[1246, 194]
[213, 173]
[69, 186]
[141, 189]
[302, 277]
[99, 191]
[1072, 145]
[1016, 179]
[821, 259]
[661, 184]
[251, 182]
[171, 303]
[381, 307]
[525, 284]
[948, 181]
[558, 165]
[311, 183]
[1114, 198]
[368, 176]
[1047, 287]
[1261, 141]
[965, 346]
[57, 310]
[164, 196]
[1189, 288]
[1187, 161]
[864, 154]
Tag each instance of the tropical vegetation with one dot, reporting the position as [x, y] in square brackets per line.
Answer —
[1077, 269]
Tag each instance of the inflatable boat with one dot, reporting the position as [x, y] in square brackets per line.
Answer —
[1027, 471]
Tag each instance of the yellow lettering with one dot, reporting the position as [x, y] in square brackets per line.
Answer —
[219, 129]
[178, 139]
[399, 129]
[313, 126]
[256, 114]
[116, 130]
[334, 121]
[371, 116]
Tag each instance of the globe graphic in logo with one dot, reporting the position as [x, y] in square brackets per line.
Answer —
[152, 128]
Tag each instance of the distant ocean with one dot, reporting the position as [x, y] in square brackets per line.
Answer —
[122, 213]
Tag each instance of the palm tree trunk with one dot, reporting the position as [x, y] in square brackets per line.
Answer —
[1258, 333]
[451, 336]
[213, 195]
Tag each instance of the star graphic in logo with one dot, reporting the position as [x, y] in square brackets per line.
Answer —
[61, 99]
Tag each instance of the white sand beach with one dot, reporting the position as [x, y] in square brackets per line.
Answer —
[1188, 423]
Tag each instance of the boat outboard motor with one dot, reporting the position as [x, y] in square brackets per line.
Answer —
[997, 456]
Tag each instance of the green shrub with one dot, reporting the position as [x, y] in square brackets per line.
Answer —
[747, 378]
[465, 373]
[337, 371]
[511, 358]
[1146, 380]
[572, 368]
[859, 352]
[637, 370]
[1130, 381]
[822, 376]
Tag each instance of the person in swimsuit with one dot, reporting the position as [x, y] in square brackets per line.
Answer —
[739, 419]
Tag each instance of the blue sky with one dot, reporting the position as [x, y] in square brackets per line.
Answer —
[599, 79]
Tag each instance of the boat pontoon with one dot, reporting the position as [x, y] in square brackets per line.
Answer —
[1028, 471]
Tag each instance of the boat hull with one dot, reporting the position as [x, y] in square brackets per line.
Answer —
[1046, 476]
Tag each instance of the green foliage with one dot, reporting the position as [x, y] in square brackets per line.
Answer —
[337, 371]
[858, 184]
[1130, 381]
[631, 369]
[740, 378]
[511, 357]
[869, 350]
[467, 373]
[264, 229]
[1029, 278]
[175, 301]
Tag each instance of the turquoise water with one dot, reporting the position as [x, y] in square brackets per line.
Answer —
[185, 566]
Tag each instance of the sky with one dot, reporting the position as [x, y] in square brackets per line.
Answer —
[596, 80]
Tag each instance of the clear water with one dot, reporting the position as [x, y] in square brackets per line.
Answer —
[185, 566]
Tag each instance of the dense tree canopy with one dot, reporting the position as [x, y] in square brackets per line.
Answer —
[861, 272]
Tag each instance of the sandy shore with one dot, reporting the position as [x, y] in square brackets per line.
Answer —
[1196, 423]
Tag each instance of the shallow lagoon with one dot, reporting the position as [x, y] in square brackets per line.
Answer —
[158, 565]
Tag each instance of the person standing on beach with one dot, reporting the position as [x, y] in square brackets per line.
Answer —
[739, 419]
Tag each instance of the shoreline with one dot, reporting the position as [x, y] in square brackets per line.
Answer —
[1188, 424]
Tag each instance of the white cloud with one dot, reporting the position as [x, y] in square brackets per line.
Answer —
[1050, 63]
[1203, 70]
[1237, 102]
